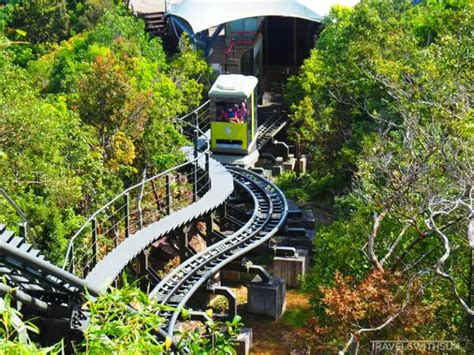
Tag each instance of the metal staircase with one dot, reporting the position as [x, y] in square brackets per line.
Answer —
[271, 122]
[33, 280]
[156, 25]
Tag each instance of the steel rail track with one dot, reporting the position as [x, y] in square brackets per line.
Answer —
[270, 211]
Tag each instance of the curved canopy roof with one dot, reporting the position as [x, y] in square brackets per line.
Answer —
[233, 85]
[204, 14]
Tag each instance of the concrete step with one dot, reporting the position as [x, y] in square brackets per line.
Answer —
[296, 232]
[294, 212]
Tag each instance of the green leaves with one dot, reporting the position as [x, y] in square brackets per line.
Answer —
[384, 106]
[81, 121]
[123, 321]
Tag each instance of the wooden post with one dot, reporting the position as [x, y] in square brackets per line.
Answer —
[142, 269]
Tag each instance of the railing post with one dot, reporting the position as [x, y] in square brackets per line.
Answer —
[169, 198]
[127, 215]
[197, 121]
[23, 227]
[195, 139]
[208, 178]
[196, 167]
[72, 264]
[94, 242]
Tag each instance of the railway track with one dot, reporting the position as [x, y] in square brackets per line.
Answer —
[271, 123]
[270, 211]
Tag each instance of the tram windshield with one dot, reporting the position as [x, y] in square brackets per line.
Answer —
[232, 110]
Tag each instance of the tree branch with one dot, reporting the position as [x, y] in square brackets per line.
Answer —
[371, 240]
[354, 339]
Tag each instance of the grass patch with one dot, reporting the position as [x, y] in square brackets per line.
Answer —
[296, 317]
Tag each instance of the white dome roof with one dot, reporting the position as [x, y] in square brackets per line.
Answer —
[204, 14]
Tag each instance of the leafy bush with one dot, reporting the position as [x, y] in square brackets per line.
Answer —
[122, 321]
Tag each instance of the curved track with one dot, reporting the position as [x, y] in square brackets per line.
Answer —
[270, 211]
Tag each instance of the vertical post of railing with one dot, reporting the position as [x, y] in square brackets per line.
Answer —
[94, 242]
[197, 120]
[208, 178]
[169, 198]
[195, 141]
[196, 166]
[127, 215]
[72, 264]
[23, 227]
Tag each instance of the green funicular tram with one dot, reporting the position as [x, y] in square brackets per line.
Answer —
[234, 119]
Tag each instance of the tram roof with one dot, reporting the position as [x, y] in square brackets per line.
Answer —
[204, 14]
[233, 85]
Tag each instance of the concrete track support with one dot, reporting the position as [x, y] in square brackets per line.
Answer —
[267, 296]
[230, 296]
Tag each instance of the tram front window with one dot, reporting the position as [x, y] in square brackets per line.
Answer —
[232, 111]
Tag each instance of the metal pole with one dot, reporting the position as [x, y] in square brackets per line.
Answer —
[471, 296]
[72, 265]
[208, 178]
[195, 139]
[23, 227]
[169, 198]
[94, 242]
[196, 166]
[127, 215]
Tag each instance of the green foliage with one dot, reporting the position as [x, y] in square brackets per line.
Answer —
[41, 21]
[14, 333]
[122, 321]
[100, 109]
[107, 101]
[217, 341]
[115, 327]
[392, 39]
[42, 159]
[382, 107]
[38, 24]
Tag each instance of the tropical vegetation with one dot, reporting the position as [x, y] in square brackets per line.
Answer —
[383, 109]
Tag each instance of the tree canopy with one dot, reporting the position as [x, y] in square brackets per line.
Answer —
[85, 113]
[384, 110]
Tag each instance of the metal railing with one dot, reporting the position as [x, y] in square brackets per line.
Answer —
[25, 227]
[145, 202]
[243, 38]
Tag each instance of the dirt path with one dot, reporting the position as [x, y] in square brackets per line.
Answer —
[286, 336]
[283, 336]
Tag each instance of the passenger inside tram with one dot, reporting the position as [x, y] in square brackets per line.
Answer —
[232, 111]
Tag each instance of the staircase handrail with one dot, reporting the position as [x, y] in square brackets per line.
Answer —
[31, 235]
[199, 154]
